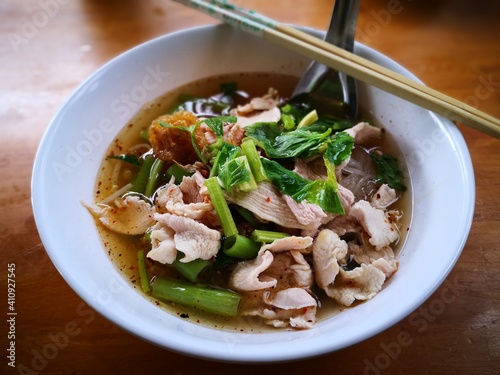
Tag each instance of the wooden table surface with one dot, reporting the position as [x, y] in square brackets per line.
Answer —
[49, 47]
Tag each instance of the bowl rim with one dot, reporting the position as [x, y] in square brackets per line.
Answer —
[215, 352]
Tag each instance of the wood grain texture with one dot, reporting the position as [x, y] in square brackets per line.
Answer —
[452, 45]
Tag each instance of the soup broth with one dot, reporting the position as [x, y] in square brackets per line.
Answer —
[114, 174]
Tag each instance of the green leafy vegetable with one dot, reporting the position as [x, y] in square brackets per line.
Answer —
[236, 174]
[178, 172]
[217, 123]
[226, 153]
[233, 169]
[339, 147]
[388, 171]
[278, 144]
[320, 192]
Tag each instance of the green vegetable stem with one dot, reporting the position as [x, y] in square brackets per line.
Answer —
[154, 176]
[218, 301]
[240, 247]
[140, 182]
[143, 274]
[267, 236]
[221, 207]
[250, 151]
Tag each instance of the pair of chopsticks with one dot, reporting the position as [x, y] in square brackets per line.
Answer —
[348, 63]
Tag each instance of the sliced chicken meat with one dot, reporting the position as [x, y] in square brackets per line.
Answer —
[271, 115]
[268, 204]
[253, 274]
[170, 199]
[194, 239]
[364, 133]
[293, 306]
[383, 197]
[247, 275]
[130, 215]
[361, 283]
[307, 214]
[280, 280]
[366, 253]
[268, 101]
[381, 229]
[329, 252]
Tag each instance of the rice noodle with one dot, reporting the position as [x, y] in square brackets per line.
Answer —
[359, 174]
[116, 194]
[137, 148]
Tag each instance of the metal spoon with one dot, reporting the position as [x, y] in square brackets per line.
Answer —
[333, 94]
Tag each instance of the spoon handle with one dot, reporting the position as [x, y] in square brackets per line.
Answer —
[341, 88]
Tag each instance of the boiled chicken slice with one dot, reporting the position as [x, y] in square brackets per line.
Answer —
[130, 215]
[365, 253]
[361, 283]
[170, 199]
[293, 306]
[384, 197]
[195, 240]
[374, 221]
[258, 273]
[162, 244]
[364, 133]
[306, 213]
[271, 115]
[268, 204]
[301, 244]
[329, 251]
[246, 276]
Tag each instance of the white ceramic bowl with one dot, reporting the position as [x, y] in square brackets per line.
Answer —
[78, 136]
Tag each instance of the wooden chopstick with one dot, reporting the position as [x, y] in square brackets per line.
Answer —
[348, 63]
